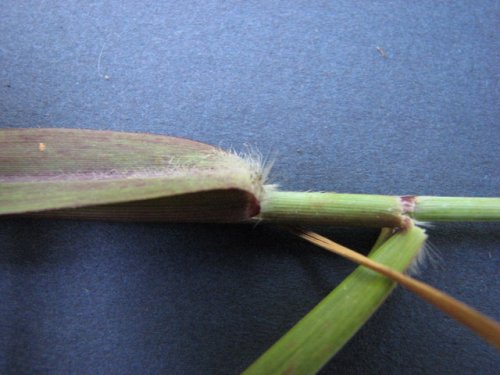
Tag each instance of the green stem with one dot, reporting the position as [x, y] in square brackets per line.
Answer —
[456, 209]
[325, 330]
[374, 210]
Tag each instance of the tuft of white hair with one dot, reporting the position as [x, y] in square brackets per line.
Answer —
[260, 168]
[427, 256]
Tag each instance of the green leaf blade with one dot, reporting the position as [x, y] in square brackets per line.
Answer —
[61, 169]
[308, 346]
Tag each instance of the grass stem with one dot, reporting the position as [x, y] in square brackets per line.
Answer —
[374, 210]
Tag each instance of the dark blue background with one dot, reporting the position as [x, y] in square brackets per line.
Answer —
[299, 80]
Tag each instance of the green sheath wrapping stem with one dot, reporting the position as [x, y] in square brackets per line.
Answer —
[322, 332]
[332, 209]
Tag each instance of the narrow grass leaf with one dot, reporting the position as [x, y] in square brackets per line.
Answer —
[308, 346]
[480, 324]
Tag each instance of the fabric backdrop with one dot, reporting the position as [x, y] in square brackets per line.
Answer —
[389, 97]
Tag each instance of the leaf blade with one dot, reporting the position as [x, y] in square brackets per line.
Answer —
[307, 346]
[53, 169]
